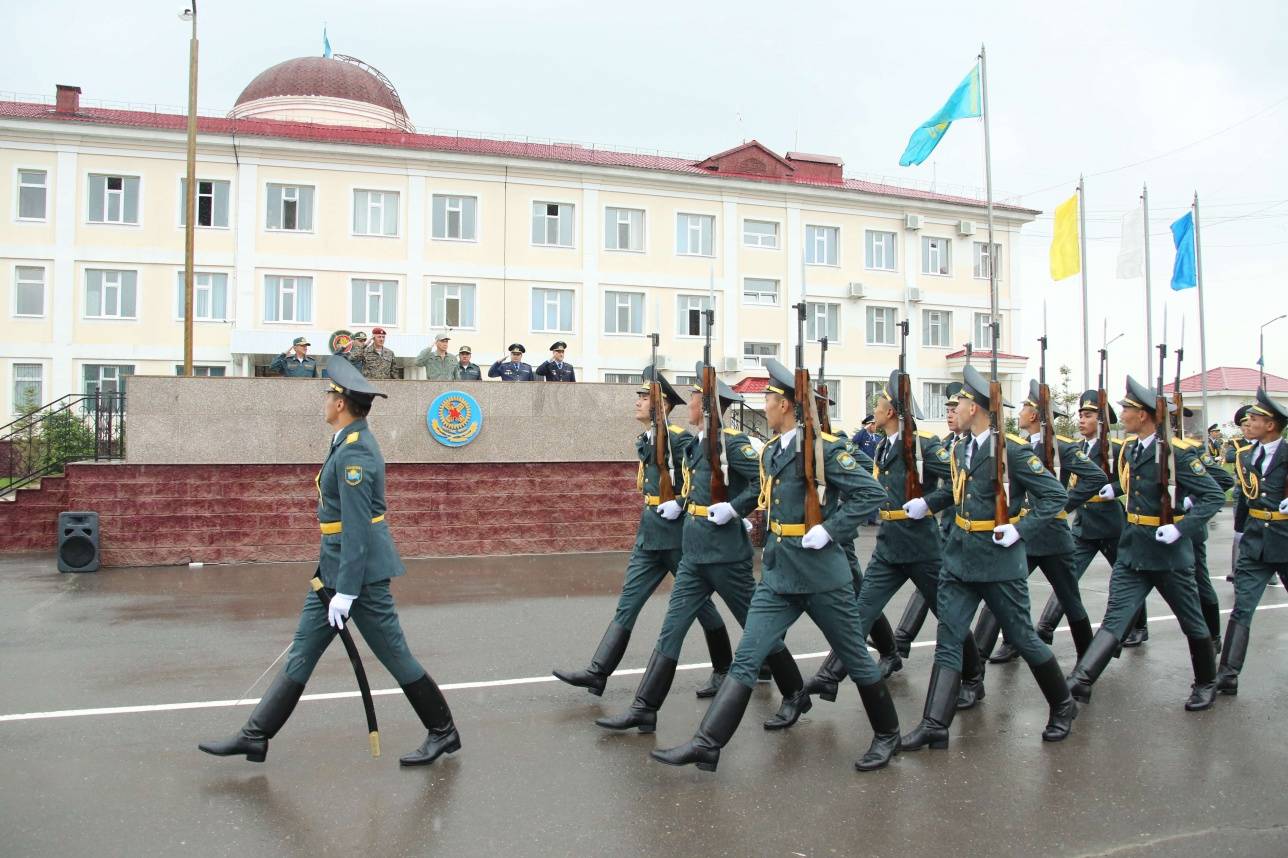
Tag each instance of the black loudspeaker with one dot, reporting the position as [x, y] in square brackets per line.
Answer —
[78, 542]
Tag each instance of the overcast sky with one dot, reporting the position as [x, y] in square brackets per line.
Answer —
[1103, 85]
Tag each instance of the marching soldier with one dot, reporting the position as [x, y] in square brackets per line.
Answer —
[803, 572]
[1231, 456]
[984, 560]
[908, 544]
[358, 560]
[1214, 441]
[717, 558]
[1262, 471]
[1152, 554]
[514, 369]
[295, 362]
[1050, 549]
[1209, 603]
[556, 369]
[656, 554]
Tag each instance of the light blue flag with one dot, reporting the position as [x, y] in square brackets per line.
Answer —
[1183, 272]
[965, 102]
[326, 45]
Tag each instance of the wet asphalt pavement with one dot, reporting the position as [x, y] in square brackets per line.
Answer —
[1140, 776]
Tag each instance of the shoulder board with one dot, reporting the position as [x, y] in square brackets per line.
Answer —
[1065, 439]
[1018, 439]
[731, 431]
[1116, 442]
[676, 429]
[351, 437]
[1239, 448]
[772, 440]
[928, 435]
[828, 437]
[1183, 443]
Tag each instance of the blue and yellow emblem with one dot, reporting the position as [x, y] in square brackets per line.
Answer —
[1035, 464]
[454, 418]
[353, 475]
[1197, 467]
[846, 461]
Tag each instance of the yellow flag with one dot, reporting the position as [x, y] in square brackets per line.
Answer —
[1065, 258]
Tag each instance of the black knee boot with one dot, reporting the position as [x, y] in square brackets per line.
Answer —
[1092, 664]
[1056, 691]
[937, 717]
[796, 700]
[885, 727]
[914, 617]
[971, 690]
[986, 632]
[721, 658]
[1051, 614]
[882, 637]
[265, 720]
[1212, 616]
[441, 736]
[1081, 632]
[825, 682]
[717, 728]
[652, 690]
[1236, 647]
[1203, 691]
[602, 664]
[1139, 631]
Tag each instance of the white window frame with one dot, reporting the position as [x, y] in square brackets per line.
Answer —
[223, 370]
[683, 304]
[202, 281]
[294, 278]
[758, 244]
[613, 300]
[946, 328]
[183, 203]
[460, 210]
[689, 225]
[44, 291]
[119, 286]
[778, 285]
[813, 231]
[314, 209]
[382, 286]
[16, 404]
[116, 367]
[572, 228]
[812, 316]
[438, 318]
[383, 208]
[928, 401]
[641, 239]
[926, 249]
[980, 254]
[611, 377]
[871, 390]
[756, 361]
[869, 250]
[138, 203]
[19, 184]
[890, 323]
[833, 393]
[982, 326]
[559, 292]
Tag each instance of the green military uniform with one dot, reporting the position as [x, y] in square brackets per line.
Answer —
[290, 366]
[1209, 603]
[1232, 451]
[1263, 553]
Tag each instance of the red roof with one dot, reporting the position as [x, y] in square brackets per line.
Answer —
[321, 76]
[961, 353]
[1233, 378]
[342, 134]
[751, 384]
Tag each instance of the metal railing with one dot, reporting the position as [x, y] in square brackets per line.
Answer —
[72, 428]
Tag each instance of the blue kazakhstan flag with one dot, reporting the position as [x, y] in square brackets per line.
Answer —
[964, 103]
[326, 44]
[1184, 273]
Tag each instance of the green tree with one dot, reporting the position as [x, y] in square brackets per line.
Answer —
[1066, 400]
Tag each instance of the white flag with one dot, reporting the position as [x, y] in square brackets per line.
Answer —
[1131, 254]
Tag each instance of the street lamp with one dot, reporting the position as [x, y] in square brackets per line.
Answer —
[1261, 360]
[190, 201]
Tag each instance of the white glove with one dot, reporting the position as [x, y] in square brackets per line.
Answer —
[746, 523]
[1188, 504]
[1006, 535]
[338, 611]
[1107, 491]
[817, 538]
[1167, 534]
[721, 513]
[917, 509]
[669, 510]
[1283, 506]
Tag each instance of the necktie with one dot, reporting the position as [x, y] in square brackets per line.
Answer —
[881, 450]
[1260, 459]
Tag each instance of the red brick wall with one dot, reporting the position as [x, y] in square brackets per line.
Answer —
[173, 514]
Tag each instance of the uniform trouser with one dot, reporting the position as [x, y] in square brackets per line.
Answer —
[1234, 550]
[1085, 550]
[1250, 580]
[835, 612]
[374, 614]
[644, 572]
[1009, 602]
[1127, 591]
[1202, 577]
[1058, 569]
[694, 584]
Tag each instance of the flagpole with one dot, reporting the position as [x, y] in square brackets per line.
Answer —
[1198, 271]
[988, 187]
[1082, 252]
[1149, 305]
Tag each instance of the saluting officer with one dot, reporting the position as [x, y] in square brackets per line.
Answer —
[295, 361]
[984, 560]
[1263, 553]
[803, 572]
[358, 559]
[1151, 554]
[514, 369]
[655, 555]
[556, 369]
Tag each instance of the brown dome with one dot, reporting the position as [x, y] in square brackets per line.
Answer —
[329, 78]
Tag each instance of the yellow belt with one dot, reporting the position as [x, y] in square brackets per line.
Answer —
[892, 514]
[695, 510]
[1061, 514]
[1150, 520]
[652, 500]
[332, 527]
[1099, 499]
[980, 524]
[780, 529]
[1268, 515]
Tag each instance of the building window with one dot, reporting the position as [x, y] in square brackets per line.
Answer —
[451, 305]
[881, 326]
[822, 320]
[760, 233]
[375, 213]
[623, 313]
[624, 229]
[111, 294]
[105, 378]
[934, 395]
[288, 299]
[683, 381]
[758, 291]
[871, 393]
[754, 354]
[203, 371]
[984, 330]
[28, 387]
[834, 394]
[982, 260]
[33, 192]
[623, 378]
[936, 328]
[695, 235]
[374, 302]
[209, 296]
[879, 254]
[455, 218]
[113, 199]
[936, 255]
[820, 244]
[212, 202]
[552, 310]
[552, 224]
[29, 290]
[290, 208]
[691, 315]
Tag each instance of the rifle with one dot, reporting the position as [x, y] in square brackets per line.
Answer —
[824, 412]
[1044, 410]
[1104, 454]
[1163, 440]
[808, 443]
[910, 450]
[1001, 505]
[1177, 498]
[711, 412]
[661, 432]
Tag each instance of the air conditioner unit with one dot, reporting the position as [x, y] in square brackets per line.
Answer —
[730, 364]
[912, 221]
[914, 295]
[855, 290]
[662, 362]
[965, 227]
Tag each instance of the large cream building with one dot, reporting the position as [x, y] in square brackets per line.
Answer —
[318, 210]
